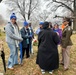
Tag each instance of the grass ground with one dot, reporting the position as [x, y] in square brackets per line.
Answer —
[29, 66]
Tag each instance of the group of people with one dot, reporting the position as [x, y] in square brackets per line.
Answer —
[15, 37]
[49, 37]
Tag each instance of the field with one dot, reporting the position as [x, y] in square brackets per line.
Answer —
[29, 66]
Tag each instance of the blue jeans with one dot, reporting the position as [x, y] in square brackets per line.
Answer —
[13, 59]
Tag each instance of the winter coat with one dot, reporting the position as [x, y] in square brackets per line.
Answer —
[47, 57]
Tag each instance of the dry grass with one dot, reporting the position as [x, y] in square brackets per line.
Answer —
[29, 65]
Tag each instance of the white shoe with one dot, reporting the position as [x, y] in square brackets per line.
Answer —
[51, 72]
[43, 71]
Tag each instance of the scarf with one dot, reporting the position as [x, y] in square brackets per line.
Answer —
[16, 31]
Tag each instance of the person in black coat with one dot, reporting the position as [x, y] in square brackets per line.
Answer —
[25, 33]
[47, 57]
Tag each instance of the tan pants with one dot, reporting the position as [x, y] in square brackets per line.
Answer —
[66, 56]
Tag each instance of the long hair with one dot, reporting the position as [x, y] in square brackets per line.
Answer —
[70, 22]
[50, 24]
[17, 25]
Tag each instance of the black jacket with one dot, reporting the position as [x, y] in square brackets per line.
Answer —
[25, 37]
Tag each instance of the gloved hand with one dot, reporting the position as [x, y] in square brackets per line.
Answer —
[30, 36]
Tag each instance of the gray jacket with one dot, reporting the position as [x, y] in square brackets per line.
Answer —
[10, 35]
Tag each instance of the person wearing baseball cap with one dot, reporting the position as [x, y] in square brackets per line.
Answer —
[40, 27]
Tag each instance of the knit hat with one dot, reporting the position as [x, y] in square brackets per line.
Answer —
[41, 23]
[13, 16]
[25, 23]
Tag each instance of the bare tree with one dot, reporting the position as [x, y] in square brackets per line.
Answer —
[55, 4]
[43, 16]
[23, 7]
[73, 10]
[69, 4]
[65, 3]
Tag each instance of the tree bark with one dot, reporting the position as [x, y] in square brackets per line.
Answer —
[29, 12]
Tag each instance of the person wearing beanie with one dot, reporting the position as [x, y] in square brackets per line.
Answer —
[13, 16]
[40, 27]
[47, 56]
[13, 38]
[25, 33]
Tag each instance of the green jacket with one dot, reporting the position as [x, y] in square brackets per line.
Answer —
[66, 37]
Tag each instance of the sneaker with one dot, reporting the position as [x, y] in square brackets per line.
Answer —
[51, 72]
[11, 68]
[43, 71]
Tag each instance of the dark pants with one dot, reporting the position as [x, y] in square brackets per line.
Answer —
[30, 45]
[27, 52]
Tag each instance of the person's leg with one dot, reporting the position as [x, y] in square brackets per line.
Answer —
[67, 57]
[30, 46]
[43, 71]
[62, 61]
[11, 58]
[23, 52]
[16, 56]
[27, 52]
[51, 71]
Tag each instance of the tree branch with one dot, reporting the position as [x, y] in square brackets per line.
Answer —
[23, 14]
[64, 5]
[33, 8]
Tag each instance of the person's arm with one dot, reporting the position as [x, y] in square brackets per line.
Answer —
[32, 33]
[56, 38]
[11, 34]
[39, 38]
[60, 33]
[38, 30]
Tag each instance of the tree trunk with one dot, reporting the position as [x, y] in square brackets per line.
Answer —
[29, 12]
[0, 0]
[74, 26]
[24, 18]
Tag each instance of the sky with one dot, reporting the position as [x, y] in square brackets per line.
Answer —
[3, 8]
